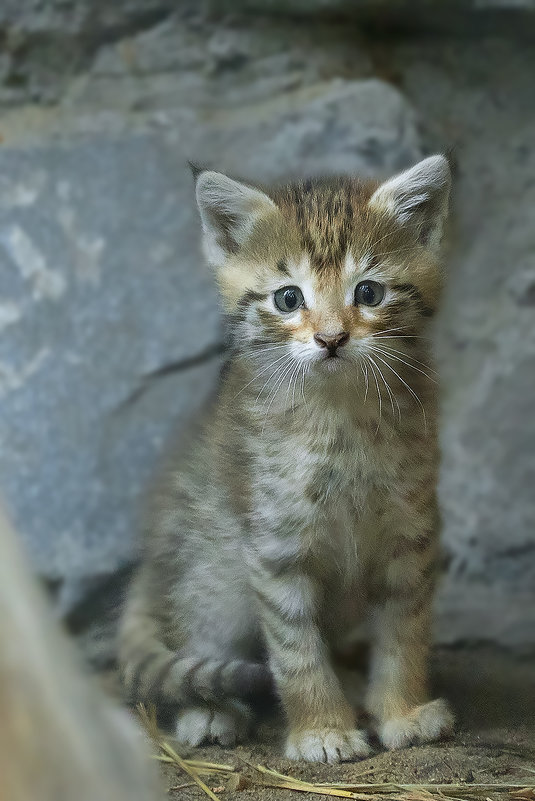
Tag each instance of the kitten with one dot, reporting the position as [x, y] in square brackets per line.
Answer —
[307, 501]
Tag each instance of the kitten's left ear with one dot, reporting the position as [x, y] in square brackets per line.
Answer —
[229, 211]
[418, 197]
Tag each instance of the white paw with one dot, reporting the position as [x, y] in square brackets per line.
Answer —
[424, 724]
[327, 745]
[199, 724]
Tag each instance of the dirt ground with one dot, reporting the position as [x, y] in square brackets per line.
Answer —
[493, 696]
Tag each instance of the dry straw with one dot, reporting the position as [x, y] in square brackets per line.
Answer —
[258, 775]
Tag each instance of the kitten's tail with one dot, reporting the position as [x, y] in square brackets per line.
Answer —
[153, 673]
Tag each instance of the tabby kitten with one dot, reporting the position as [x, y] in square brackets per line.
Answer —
[307, 502]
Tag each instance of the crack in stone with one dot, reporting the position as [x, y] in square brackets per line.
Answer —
[206, 355]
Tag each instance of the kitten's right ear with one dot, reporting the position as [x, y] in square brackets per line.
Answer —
[229, 211]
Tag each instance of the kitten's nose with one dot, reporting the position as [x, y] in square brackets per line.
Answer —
[331, 341]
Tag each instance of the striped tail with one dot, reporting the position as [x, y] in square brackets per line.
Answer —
[153, 673]
[161, 676]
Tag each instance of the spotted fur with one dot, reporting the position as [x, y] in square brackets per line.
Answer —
[305, 505]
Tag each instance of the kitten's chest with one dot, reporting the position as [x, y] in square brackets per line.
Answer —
[349, 465]
[332, 469]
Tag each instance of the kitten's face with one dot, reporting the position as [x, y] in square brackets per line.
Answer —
[318, 272]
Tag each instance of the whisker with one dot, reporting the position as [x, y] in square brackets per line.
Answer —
[390, 395]
[260, 348]
[300, 373]
[285, 371]
[394, 350]
[365, 371]
[305, 371]
[378, 395]
[401, 336]
[296, 370]
[381, 334]
[259, 351]
[295, 385]
[413, 393]
[257, 375]
[396, 358]
[280, 367]
[388, 330]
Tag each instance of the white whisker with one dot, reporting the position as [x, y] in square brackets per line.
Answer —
[270, 377]
[397, 358]
[257, 375]
[292, 376]
[413, 393]
[365, 371]
[285, 371]
[390, 394]
[259, 350]
[305, 371]
[378, 394]
[408, 356]
[389, 330]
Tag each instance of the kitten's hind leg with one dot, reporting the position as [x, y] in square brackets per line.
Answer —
[226, 724]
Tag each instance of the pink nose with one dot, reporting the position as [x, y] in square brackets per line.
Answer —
[331, 341]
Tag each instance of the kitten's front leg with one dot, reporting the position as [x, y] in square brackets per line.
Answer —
[321, 721]
[398, 694]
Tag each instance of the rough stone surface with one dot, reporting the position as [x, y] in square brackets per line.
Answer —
[445, 14]
[109, 326]
[101, 290]
[44, 42]
[485, 337]
[357, 7]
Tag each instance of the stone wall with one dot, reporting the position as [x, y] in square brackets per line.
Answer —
[110, 331]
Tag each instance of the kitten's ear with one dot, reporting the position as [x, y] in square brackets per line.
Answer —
[229, 211]
[418, 197]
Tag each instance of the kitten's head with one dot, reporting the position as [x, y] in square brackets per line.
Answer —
[322, 268]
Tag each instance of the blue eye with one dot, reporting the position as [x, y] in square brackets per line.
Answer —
[288, 298]
[369, 293]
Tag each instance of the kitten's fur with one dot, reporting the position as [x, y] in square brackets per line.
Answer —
[308, 500]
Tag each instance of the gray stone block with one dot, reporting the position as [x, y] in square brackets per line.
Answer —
[103, 295]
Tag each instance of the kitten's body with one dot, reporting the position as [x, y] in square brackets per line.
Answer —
[308, 500]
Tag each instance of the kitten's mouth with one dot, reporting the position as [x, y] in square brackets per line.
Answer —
[331, 361]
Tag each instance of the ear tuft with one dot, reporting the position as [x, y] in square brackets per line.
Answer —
[196, 169]
[418, 197]
[229, 211]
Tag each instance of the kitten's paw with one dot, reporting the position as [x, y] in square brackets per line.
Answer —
[199, 724]
[327, 745]
[424, 724]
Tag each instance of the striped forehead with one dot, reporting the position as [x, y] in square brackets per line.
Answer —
[325, 213]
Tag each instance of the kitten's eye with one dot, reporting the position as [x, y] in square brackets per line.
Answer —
[369, 293]
[289, 298]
